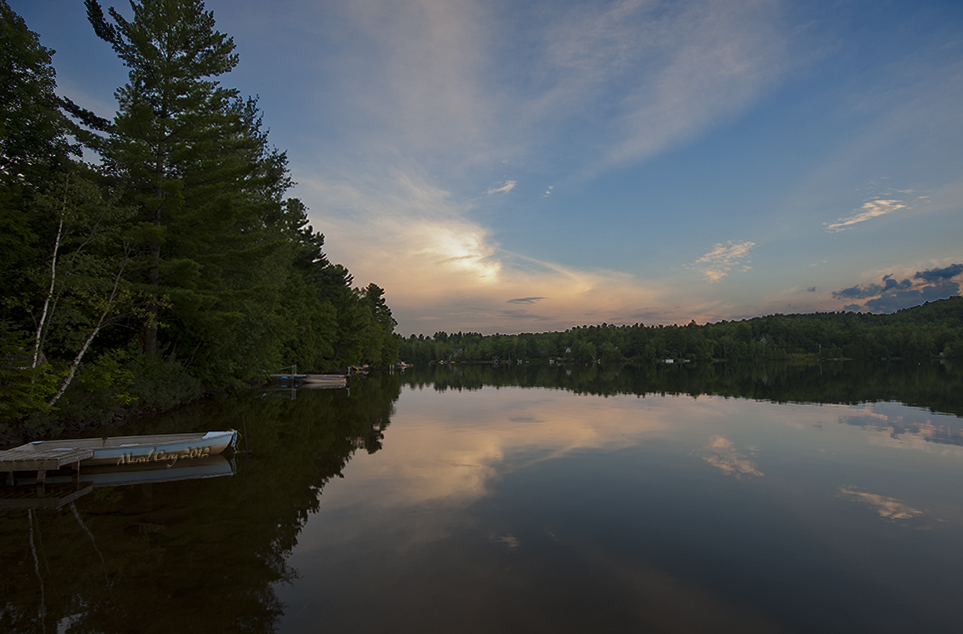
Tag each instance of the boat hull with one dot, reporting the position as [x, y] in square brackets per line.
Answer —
[161, 449]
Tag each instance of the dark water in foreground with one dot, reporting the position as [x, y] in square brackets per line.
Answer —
[675, 499]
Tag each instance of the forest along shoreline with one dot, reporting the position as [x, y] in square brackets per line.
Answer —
[933, 330]
[175, 264]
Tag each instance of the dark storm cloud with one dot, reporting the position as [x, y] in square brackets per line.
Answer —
[866, 291]
[933, 275]
[858, 292]
[891, 295]
[891, 302]
[525, 300]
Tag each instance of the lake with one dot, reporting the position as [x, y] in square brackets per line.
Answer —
[526, 499]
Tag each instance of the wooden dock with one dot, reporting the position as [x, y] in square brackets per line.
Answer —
[41, 461]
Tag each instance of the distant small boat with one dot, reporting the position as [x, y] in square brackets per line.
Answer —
[166, 449]
[343, 385]
[323, 378]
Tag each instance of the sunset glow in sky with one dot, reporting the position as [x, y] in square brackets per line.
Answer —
[520, 166]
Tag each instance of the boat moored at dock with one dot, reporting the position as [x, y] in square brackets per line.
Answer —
[120, 450]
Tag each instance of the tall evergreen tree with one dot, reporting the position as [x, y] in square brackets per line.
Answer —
[176, 127]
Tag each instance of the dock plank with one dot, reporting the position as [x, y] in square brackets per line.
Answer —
[41, 460]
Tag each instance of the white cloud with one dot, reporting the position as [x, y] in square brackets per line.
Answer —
[504, 189]
[869, 210]
[401, 221]
[723, 257]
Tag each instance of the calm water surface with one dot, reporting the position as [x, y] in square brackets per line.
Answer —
[529, 500]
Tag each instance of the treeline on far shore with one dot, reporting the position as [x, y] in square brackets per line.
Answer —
[932, 330]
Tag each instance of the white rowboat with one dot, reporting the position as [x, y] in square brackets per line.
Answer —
[166, 449]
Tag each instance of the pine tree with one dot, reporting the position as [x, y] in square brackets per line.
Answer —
[207, 186]
[173, 120]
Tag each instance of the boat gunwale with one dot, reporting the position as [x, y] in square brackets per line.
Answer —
[127, 442]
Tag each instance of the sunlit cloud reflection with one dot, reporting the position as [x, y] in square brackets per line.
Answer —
[887, 507]
[724, 456]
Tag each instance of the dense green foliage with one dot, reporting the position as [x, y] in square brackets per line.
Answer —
[932, 330]
[176, 260]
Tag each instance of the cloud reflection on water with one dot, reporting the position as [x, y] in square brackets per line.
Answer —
[887, 507]
[452, 452]
[724, 456]
[497, 502]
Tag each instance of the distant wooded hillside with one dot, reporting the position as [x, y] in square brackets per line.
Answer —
[931, 330]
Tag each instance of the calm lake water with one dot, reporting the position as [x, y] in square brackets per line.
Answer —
[526, 499]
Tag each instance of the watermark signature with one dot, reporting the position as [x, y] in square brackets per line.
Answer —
[170, 457]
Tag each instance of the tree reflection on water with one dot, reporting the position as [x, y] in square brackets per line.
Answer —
[197, 555]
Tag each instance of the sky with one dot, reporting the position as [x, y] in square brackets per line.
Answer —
[532, 165]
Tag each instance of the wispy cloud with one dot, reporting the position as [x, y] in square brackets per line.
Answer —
[661, 73]
[504, 189]
[868, 211]
[446, 79]
[718, 262]
[424, 65]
